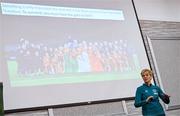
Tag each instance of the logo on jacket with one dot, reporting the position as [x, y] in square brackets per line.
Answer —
[155, 91]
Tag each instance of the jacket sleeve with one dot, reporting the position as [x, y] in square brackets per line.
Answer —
[138, 100]
[163, 96]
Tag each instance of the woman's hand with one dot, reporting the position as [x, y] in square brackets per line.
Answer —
[149, 99]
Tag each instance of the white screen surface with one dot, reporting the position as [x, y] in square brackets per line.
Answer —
[69, 52]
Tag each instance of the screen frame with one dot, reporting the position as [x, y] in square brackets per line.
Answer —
[92, 102]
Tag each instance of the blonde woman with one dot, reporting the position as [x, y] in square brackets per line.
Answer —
[147, 96]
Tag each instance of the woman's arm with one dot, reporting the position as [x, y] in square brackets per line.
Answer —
[163, 96]
[138, 102]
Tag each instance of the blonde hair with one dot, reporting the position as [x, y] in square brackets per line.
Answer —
[146, 70]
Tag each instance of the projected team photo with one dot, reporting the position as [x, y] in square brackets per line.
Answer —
[72, 57]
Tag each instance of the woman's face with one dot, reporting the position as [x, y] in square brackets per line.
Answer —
[146, 77]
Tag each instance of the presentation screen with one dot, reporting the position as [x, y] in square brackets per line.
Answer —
[69, 51]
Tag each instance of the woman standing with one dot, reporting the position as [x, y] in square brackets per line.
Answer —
[147, 96]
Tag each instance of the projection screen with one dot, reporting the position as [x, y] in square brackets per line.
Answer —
[69, 51]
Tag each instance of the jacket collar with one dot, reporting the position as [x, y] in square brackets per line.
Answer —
[147, 85]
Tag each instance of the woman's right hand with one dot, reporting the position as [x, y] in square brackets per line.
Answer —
[149, 99]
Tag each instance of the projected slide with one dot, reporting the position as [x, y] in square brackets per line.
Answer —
[76, 55]
[74, 50]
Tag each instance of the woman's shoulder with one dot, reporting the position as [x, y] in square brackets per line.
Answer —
[156, 87]
[140, 87]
